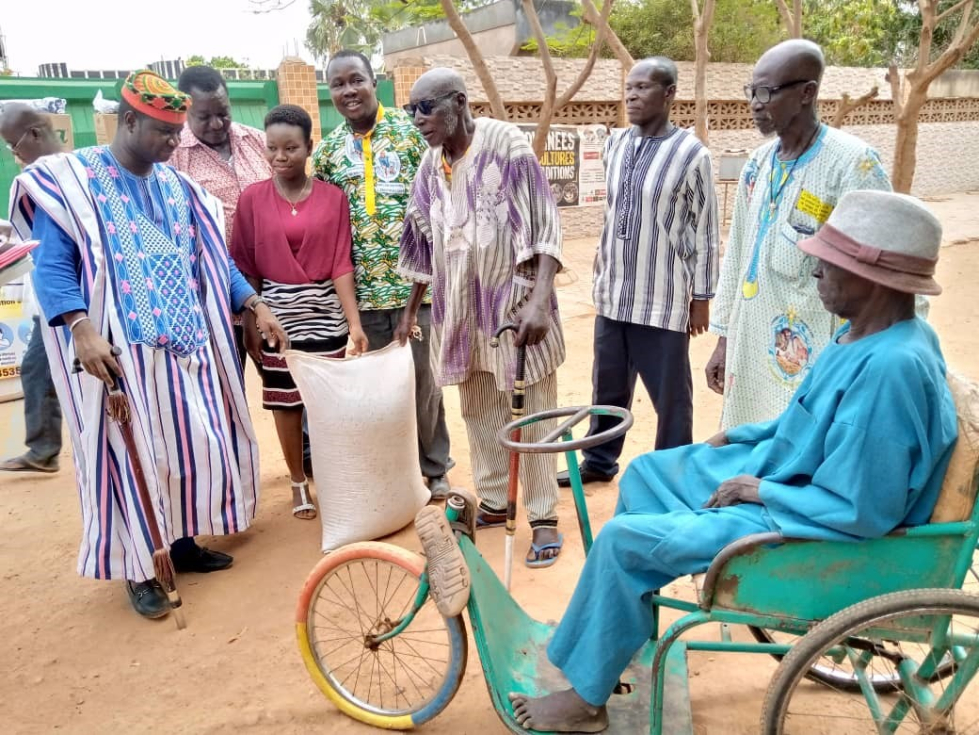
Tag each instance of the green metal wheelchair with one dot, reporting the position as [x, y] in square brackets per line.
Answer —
[873, 637]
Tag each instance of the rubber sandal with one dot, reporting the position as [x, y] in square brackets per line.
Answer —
[482, 523]
[303, 488]
[23, 464]
[533, 559]
[448, 575]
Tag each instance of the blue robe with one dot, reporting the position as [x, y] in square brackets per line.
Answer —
[861, 449]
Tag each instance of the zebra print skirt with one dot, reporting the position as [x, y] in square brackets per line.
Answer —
[313, 318]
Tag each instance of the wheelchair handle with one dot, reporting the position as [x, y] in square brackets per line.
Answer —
[552, 443]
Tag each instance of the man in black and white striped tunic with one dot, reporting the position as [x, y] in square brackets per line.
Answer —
[656, 266]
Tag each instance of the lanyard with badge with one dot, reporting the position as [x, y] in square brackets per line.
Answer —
[363, 143]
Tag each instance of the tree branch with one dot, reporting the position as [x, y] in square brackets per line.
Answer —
[958, 6]
[951, 56]
[708, 14]
[916, 82]
[927, 8]
[848, 105]
[476, 59]
[963, 30]
[586, 70]
[965, 37]
[263, 7]
[897, 90]
[785, 14]
[701, 29]
[550, 77]
[592, 17]
[792, 20]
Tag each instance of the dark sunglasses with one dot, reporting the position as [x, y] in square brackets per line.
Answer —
[764, 94]
[426, 106]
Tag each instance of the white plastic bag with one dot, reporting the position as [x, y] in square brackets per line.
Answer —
[104, 106]
[364, 441]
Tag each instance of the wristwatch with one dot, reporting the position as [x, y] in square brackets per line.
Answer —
[254, 304]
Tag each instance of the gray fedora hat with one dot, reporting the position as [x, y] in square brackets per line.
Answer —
[890, 239]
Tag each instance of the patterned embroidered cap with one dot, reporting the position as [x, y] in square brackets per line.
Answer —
[152, 95]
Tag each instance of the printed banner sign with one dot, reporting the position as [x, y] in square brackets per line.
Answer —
[15, 332]
[572, 162]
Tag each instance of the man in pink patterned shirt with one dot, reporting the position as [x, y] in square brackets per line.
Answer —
[222, 156]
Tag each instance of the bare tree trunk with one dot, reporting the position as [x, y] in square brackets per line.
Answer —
[551, 102]
[848, 105]
[906, 143]
[476, 59]
[702, 20]
[593, 18]
[791, 18]
[550, 79]
[911, 93]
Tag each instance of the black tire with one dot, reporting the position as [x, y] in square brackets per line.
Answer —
[848, 624]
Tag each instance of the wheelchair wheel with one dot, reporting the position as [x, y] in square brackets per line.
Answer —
[891, 635]
[359, 592]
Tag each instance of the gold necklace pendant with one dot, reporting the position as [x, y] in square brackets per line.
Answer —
[291, 203]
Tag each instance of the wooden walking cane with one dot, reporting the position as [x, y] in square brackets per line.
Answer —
[117, 408]
[516, 411]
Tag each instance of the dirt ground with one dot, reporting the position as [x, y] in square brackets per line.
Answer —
[75, 658]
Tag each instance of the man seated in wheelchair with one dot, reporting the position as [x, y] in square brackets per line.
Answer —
[861, 450]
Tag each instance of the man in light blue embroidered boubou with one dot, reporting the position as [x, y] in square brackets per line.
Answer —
[768, 317]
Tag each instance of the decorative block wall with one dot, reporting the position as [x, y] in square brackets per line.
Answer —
[405, 75]
[297, 86]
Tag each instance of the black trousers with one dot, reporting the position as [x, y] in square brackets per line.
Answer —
[661, 358]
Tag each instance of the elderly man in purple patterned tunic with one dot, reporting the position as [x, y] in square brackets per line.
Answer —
[483, 230]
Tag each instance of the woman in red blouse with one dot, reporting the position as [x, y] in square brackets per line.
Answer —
[291, 238]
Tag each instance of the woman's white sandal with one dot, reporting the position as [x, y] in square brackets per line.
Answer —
[304, 503]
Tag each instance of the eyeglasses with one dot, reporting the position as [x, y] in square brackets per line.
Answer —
[426, 106]
[764, 93]
[13, 148]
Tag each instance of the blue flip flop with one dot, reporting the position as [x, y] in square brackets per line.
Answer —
[536, 562]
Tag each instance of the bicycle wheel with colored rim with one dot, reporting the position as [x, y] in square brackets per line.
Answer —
[356, 593]
[904, 634]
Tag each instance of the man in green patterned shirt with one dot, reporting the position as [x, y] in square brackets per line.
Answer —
[373, 157]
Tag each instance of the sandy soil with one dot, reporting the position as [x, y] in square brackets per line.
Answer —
[76, 659]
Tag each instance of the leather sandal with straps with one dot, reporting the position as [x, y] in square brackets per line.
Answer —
[305, 504]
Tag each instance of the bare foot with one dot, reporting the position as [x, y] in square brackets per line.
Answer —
[558, 712]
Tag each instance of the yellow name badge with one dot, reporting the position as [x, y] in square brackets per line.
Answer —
[814, 206]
